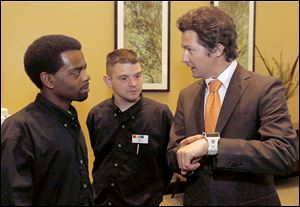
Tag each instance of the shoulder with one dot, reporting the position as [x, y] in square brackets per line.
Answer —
[155, 105]
[20, 121]
[255, 77]
[102, 106]
[264, 79]
[256, 84]
[192, 89]
[24, 114]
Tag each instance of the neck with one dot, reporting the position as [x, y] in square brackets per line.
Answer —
[220, 67]
[123, 105]
[62, 103]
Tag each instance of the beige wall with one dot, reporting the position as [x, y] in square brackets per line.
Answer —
[93, 24]
[277, 28]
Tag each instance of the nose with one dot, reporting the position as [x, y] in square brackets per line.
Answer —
[86, 76]
[132, 82]
[185, 58]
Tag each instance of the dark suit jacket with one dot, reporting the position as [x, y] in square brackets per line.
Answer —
[257, 141]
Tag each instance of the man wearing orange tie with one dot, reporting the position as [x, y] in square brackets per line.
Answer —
[232, 129]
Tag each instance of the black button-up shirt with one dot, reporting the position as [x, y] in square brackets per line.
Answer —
[44, 157]
[124, 172]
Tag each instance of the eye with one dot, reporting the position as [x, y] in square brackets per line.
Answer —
[123, 78]
[189, 49]
[76, 72]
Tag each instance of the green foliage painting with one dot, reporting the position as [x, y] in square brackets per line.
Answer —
[143, 34]
[239, 12]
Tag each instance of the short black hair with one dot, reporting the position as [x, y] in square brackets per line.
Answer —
[44, 55]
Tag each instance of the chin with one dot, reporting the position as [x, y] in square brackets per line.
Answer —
[82, 98]
[133, 99]
[195, 75]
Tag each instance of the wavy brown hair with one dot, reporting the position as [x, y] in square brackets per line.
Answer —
[212, 26]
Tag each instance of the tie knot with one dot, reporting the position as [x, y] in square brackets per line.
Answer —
[214, 85]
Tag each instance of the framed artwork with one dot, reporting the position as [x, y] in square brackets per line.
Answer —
[143, 26]
[243, 15]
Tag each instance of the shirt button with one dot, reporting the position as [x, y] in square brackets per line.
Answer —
[81, 162]
[123, 126]
[112, 184]
[65, 125]
[73, 118]
[109, 203]
[84, 185]
[116, 164]
[132, 117]
[115, 115]
[119, 145]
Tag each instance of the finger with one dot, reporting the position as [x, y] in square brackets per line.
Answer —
[183, 172]
[194, 166]
[179, 155]
[191, 170]
[191, 166]
[183, 159]
[196, 159]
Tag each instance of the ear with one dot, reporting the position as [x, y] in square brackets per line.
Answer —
[46, 79]
[219, 50]
[108, 81]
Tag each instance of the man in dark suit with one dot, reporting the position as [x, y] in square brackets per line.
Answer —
[252, 137]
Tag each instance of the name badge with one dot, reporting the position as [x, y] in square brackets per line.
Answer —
[139, 139]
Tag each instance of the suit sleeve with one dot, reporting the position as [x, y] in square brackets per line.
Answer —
[167, 119]
[275, 147]
[177, 133]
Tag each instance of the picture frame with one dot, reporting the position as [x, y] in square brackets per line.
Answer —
[144, 27]
[243, 15]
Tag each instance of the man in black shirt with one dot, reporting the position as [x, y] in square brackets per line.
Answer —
[129, 135]
[43, 151]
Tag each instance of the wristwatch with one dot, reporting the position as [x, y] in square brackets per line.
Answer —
[213, 141]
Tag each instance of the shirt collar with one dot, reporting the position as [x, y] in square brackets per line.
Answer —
[61, 114]
[226, 75]
[132, 110]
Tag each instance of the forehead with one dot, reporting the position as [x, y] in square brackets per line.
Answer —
[73, 57]
[189, 37]
[125, 68]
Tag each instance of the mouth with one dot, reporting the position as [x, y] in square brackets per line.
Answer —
[134, 91]
[86, 88]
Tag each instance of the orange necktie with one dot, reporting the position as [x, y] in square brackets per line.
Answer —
[213, 106]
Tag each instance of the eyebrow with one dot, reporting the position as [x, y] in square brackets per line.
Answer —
[79, 68]
[126, 75]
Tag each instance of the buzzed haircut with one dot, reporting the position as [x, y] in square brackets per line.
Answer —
[44, 55]
[120, 56]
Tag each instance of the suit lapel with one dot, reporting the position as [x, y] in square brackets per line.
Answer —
[200, 107]
[238, 84]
